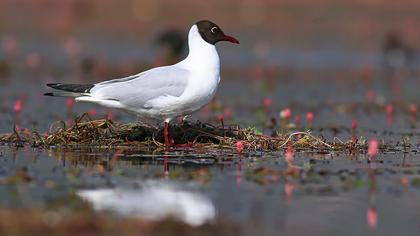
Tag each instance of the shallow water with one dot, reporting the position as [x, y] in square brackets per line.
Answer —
[331, 195]
[330, 192]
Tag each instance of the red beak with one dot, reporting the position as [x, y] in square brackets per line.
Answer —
[230, 39]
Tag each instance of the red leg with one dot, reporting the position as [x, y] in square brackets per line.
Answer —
[166, 134]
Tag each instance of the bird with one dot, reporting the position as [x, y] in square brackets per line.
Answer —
[166, 92]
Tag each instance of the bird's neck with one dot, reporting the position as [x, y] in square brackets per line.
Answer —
[202, 58]
[202, 55]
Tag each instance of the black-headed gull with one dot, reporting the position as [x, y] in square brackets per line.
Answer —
[166, 92]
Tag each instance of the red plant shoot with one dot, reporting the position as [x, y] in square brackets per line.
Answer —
[413, 113]
[389, 109]
[268, 103]
[288, 189]
[116, 156]
[227, 112]
[372, 217]
[310, 118]
[72, 47]
[354, 125]
[33, 60]
[404, 181]
[354, 139]
[92, 112]
[370, 96]
[412, 108]
[165, 165]
[298, 120]
[109, 115]
[27, 133]
[289, 155]
[10, 45]
[70, 104]
[238, 176]
[18, 106]
[367, 73]
[373, 148]
[221, 118]
[389, 113]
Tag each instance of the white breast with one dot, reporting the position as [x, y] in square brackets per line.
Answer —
[200, 91]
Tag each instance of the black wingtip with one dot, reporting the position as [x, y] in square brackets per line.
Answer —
[76, 88]
[52, 84]
[48, 94]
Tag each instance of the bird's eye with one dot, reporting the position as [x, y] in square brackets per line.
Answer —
[214, 30]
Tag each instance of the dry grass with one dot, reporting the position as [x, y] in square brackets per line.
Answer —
[88, 132]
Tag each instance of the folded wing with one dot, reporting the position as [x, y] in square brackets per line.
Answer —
[137, 90]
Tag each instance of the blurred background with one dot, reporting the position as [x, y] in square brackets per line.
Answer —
[314, 34]
[346, 70]
[303, 54]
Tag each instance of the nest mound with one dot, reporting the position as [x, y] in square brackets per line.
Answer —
[87, 132]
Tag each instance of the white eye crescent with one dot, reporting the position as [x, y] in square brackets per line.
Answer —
[214, 29]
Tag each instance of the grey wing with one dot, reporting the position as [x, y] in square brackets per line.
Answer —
[137, 90]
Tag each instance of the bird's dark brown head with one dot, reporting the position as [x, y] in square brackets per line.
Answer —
[212, 33]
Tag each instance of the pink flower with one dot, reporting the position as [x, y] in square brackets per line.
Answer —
[286, 113]
[239, 146]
